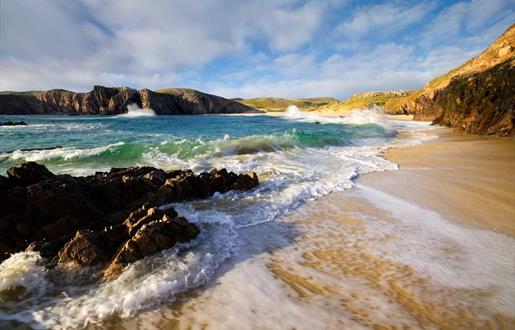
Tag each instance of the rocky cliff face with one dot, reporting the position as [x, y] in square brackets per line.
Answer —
[476, 97]
[111, 101]
[188, 101]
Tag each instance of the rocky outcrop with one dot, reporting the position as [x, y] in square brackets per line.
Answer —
[101, 100]
[13, 123]
[188, 101]
[112, 101]
[109, 219]
[476, 97]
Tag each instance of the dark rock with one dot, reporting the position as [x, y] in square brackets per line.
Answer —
[28, 173]
[4, 184]
[189, 101]
[13, 123]
[104, 219]
[91, 248]
[150, 238]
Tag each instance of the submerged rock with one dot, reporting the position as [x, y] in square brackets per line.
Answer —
[109, 218]
[13, 123]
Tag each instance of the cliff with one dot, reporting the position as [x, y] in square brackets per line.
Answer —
[476, 97]
[114, 100]
[189, 101]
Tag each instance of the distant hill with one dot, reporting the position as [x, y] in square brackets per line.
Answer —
[477, 97]
[366, 100]
[356, 101]
[114, 100]
[271, 104]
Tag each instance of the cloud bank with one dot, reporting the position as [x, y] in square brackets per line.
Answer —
[235, 48]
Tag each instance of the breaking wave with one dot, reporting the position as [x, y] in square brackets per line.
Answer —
[293, 164]
[133, 110]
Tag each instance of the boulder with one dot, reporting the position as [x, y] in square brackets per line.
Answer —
[108, 219]
[151, 237]
[28, 173]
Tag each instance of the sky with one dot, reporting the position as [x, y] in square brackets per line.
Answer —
[252, 48]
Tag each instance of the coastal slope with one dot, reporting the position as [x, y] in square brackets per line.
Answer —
[114, 100]
[273, 104]
[330, 105]
[476, 97]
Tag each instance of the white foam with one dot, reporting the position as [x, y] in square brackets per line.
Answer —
[355, 117]
[288, 177]
[23, 270]
[486, 259]
[294, 113]
[57, 153]
[133, 110]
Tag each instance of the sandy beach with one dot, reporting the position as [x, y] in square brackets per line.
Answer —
[405, 249]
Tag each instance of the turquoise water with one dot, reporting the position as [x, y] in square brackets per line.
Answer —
[297, 157]
[92, 143]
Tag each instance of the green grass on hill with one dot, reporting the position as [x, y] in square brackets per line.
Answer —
[280, 104]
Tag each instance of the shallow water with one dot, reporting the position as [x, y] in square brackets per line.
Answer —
[297, 157]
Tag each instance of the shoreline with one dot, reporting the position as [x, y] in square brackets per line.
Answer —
[375, 256]
[469, 178]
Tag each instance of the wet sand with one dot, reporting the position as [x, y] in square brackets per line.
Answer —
[470, 179]
[428, 246]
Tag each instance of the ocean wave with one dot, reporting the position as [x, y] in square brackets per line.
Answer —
[184, 149]
[57, 153]
[272, 142]
[354, 117]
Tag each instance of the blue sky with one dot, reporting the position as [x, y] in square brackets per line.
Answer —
[245, 49]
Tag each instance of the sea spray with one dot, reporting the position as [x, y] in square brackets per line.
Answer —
[133, 110]
[354, 117]
[22, 276]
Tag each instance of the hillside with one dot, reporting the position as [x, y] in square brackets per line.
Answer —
[114, 100]
[365, 100]
[356, 101]
[271, 104]
[476, 97]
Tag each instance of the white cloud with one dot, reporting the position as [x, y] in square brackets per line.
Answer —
[382, 19]
[474, 16]
[138, 40]
[264, 47]
[289, 29]
[385, 67]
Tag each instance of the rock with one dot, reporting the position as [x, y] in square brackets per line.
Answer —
[114, 100]
[245, 182]
[4, 183]
[477, 97]
[90, 248]
[106, 219]
[153, 236]
[189, 101]
[28, 173]
[15, 123]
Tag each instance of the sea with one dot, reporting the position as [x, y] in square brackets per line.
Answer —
[298, 157]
